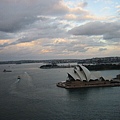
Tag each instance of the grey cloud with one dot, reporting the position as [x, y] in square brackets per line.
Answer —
[112, 35]
[4, 35]
[15, 15]
[102, 49]
[4, 45]
[108, 30]
[42, 29]
[78, 49]
[73, 47]
[22, 40]
[66, 46]
[82, 4]
[13, 25]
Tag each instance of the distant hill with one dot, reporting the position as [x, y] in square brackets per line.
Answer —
[79, 61]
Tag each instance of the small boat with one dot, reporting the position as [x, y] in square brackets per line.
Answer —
[18, 77]
[7, 70]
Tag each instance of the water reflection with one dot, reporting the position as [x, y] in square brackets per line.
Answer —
[86, 93]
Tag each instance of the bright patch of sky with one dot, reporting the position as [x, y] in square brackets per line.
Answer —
[103, 7]
[97, 7]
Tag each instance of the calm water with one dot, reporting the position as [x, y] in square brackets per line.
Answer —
[36, 97]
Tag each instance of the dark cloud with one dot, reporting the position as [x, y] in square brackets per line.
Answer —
[108, 30]
[114, 35]
[102, 49]
[4, 35]
[4, 45]
[45, 28]
[15, 14]
[13, 25]
[77, 49]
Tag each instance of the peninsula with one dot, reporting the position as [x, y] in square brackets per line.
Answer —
[81, 77]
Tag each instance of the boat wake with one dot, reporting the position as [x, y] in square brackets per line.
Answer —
[23, 86]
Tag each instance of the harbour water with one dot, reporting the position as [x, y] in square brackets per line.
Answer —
[36, 97]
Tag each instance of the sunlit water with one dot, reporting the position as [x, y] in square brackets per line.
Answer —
[36, 97]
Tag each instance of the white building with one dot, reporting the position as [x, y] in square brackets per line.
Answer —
[83, 74]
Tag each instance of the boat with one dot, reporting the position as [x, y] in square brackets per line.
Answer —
[7, 70]
[19, 77]
[81, 77]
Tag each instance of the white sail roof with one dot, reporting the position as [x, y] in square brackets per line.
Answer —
[86, 72]
[73, 74]
[82, 73]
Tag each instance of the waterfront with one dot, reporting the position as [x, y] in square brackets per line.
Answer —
[38, 98]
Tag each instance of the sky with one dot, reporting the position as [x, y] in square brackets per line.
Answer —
[59, 29]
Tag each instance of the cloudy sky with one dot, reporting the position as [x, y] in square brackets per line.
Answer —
[59, 29]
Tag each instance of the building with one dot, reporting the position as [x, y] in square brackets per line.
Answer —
[81, 73]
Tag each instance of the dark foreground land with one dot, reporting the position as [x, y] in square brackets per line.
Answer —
[90, 67]
[103, 67]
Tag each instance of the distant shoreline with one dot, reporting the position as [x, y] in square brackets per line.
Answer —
[96, 60]
[90, 67]
[103, 67]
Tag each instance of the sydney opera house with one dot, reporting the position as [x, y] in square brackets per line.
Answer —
[82, 73]
[80, 77]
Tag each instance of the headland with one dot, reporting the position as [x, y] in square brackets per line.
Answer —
[81, 77]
